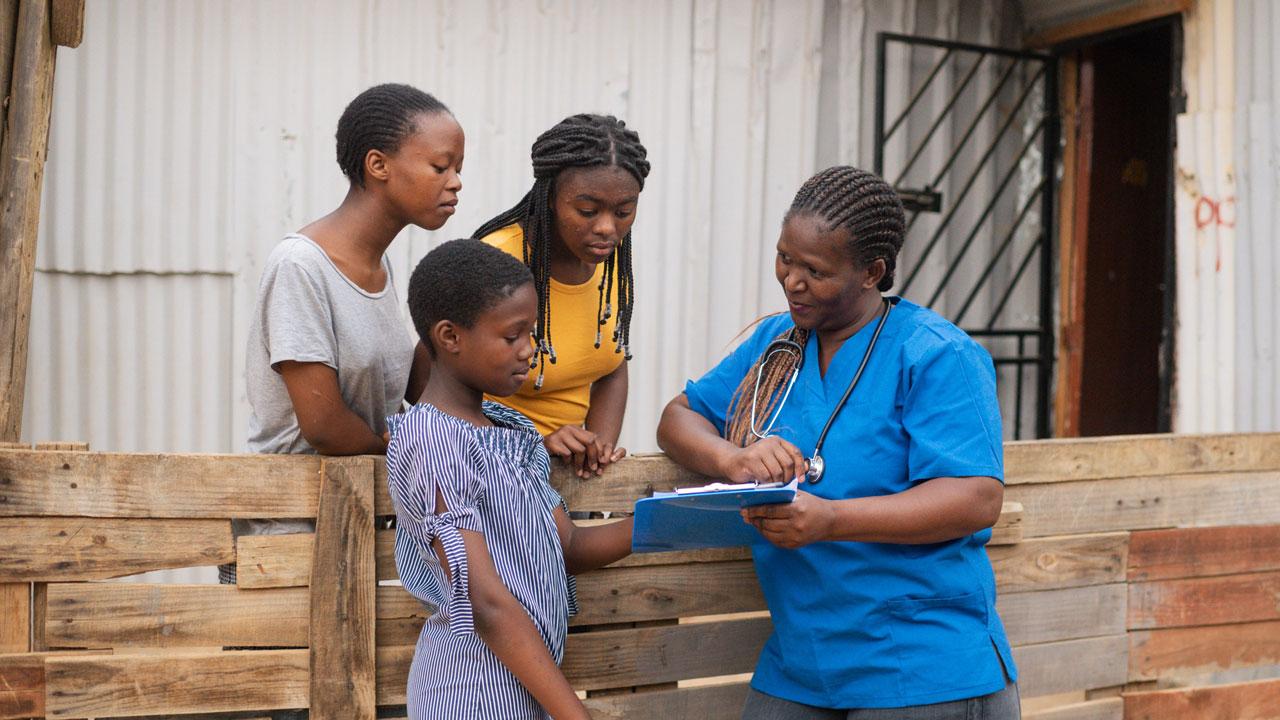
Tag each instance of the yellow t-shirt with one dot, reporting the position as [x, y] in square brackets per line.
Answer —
[566, 385]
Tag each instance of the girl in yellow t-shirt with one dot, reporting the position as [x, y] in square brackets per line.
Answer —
[573, 230]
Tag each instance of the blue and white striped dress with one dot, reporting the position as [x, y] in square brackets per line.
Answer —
[494, 482]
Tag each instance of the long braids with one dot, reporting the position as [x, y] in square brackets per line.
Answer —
[582, 140]
[869, 209]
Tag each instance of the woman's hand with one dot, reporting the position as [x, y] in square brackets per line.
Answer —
[807, 519]
[769, 460]
[586, 451]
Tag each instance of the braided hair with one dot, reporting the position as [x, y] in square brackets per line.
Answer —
[582, 140]
[870, 211]
[379, 118]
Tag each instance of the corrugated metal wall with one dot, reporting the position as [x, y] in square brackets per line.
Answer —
[189, 137]
[1257, 149]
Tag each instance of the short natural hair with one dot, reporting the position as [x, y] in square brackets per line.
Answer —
[459, 281]
[379, 118]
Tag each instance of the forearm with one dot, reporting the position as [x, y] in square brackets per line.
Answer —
[608, 405]
[691, 440]
[342, 432]
[506, 629]
[597, 545]
[938, 510]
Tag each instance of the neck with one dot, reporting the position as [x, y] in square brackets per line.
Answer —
[449, 394]
[867, 309]
[362, 228]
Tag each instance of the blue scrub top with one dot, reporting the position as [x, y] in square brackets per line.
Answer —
[871, 625]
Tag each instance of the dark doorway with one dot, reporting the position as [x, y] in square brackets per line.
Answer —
[1123, 231]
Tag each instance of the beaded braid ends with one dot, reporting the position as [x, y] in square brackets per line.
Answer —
[844, 197]
[582, 140]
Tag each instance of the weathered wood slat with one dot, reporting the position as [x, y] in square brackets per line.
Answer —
[662, 592]
[1067, 614]
[15, 617]
[712, 702]
[1143, 503]
[343, 606]
[1258, 700]
[1050, 461]
[1104, 709]
[1203, 552]
[645, 656]
[163, 615]
[1061, 561]
[67, 26]
[393, 673]
[140, 485]
[22, 683]
[175, 683]
[1204, 601]
[1198, 651]
[63, 549]
[1071, 665]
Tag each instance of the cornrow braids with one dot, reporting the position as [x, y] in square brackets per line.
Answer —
[379, 118]
[582, 140]
[869, 209]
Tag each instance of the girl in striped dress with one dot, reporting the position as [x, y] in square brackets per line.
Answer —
[480, 534]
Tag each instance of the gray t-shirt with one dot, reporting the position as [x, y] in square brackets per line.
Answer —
[308, 311]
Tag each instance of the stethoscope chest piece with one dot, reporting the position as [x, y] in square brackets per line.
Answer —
[813, 473]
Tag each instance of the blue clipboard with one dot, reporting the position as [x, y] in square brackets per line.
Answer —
[694, 518]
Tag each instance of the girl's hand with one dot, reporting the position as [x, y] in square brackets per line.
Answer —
[769, 460]
[807, 519]
[586, 451]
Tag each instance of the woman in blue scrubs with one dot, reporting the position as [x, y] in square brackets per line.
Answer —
[882, 596]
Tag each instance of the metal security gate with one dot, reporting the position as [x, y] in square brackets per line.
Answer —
[968, 136]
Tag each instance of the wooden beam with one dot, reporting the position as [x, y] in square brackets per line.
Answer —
[1066, 614]
[1189, 652]
[343, 608]
[1060, 562]
[712, 702]
[15, 617]
[1073, 460]
[22, 685]
[64, 549]
[175, 683]
[1132, 13]
[1076, 117]
[1104, 709]
[1259, 700]
[22, 158]
[67, 28]
[665, 592]
[146, 485]
[1203, 552]
[1189, 602]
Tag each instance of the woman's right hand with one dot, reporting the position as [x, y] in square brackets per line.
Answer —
[769, 460]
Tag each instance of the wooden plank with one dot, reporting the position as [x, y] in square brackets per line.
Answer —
[393, 673]
[22, 683]
[1067, 614]
[1258, 700]
[1075, 118]
[640, 594]
[1140, 503]
[712, 702]
[1203, 552]
[146, 485]
[1204, 601]
[163, 615]
[644, 656]
[1201, 651]
[1071, 665]
[1104, 709]
[63, 549]
[1070, 460]
[343, 606]
[172, 616]
[275, 561]
[1008, 527]
[69, 445]
[8, 36]
[15, 617]
[22, 157]
[1061, 561]
[1131, 13]
[175, 683]
[67, 27]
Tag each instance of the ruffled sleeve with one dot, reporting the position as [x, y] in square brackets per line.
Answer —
[425, 455]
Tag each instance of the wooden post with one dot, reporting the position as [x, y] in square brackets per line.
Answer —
[25, 144]
[343, 583]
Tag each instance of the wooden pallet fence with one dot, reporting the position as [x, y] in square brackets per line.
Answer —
[1134, 577]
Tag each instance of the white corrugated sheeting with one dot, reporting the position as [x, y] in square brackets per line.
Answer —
[1205, 226]
[189, 137]
[1257, 145]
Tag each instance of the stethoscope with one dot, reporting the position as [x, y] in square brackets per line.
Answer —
[787, 346]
